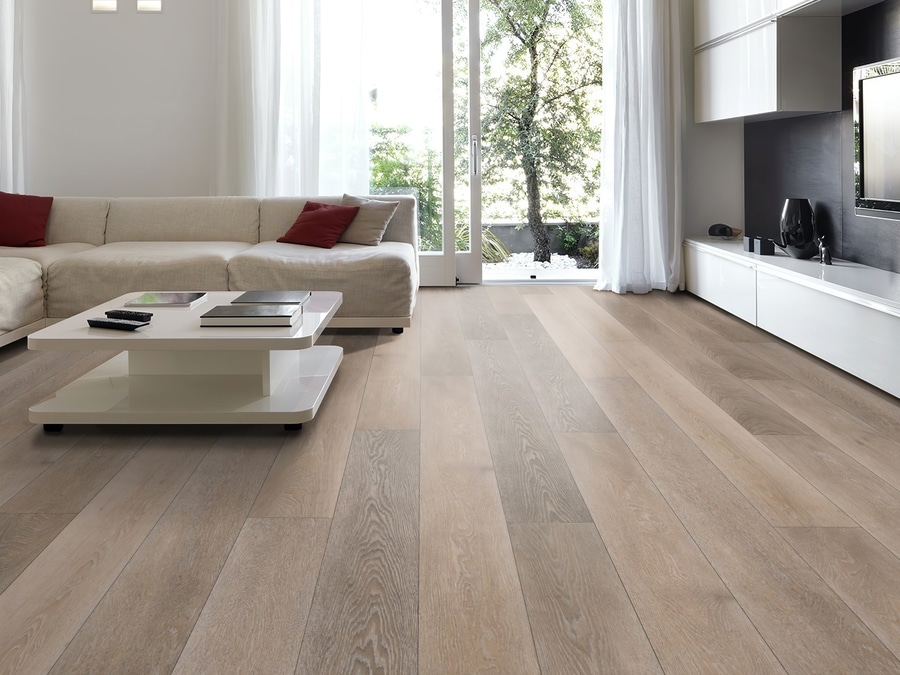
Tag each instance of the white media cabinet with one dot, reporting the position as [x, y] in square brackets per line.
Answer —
[846, 314]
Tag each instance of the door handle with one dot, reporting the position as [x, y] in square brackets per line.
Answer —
[475, 156]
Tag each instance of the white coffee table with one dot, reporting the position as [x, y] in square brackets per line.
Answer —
[173, 371]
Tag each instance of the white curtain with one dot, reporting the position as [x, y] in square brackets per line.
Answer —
[641, 218]
[12, 130]
[292, 102]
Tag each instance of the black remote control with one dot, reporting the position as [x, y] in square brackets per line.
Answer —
[128, 314]
[116, 324]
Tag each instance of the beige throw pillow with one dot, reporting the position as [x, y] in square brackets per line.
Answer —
[370, 223]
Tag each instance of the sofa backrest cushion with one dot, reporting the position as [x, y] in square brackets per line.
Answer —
[277, 214]
[77, 219]
[184, 219]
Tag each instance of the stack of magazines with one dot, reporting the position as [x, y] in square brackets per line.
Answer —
[259, 308]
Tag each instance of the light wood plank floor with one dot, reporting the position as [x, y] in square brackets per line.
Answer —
[530, 479]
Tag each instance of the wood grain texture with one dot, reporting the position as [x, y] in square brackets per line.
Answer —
[723, 324]
[583, 618]
[872, 502]
[472, 616]
[868, 404]
[802, 620]
[871, 448]
[566, 403]
[781, 494]
[573, 339]
[22, 537]
[443, 342]
[53, 597]
[477, 315]
[691, 618]
[364, 614]
[534, 481]
[146, 617]
[862, 571]
[306, 478]
[96, 458]
[723, 351]
[506, 299]
[409, 557]
[41, 386]
[28, 455]
[754, 412]
[391, 396]
[254, 619]
[581, 301]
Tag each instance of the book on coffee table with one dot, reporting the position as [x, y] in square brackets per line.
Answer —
[273, 297]
[252, 314]
[167, 299]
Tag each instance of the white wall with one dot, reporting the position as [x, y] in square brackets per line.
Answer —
[713, 159]
[120, 104]
[124, 105]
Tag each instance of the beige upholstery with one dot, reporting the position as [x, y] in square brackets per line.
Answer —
[77, 219]
[184, 219]
[377, 281]
[80, 281]
[101, 248]
[21, 294]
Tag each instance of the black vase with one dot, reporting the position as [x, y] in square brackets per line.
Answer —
[798, 229]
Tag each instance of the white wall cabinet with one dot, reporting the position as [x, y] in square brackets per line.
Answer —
[714, 19]
[788, 65]
[846, 314]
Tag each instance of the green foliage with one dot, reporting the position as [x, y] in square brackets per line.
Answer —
[591, 253]
[396, 167]
[541, 89]
[492, 249]
[572, 236]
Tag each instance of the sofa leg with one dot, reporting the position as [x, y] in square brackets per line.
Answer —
[53, 428]
[293, 427]
[397, 331]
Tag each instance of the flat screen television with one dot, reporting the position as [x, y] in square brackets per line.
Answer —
[876, 126]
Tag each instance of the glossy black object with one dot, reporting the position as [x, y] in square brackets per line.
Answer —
[798, 229]
[720, 230]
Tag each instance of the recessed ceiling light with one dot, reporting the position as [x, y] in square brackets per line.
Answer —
[149, 5]
[103, 5]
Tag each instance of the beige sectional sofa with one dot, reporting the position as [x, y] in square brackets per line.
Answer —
[100, 248]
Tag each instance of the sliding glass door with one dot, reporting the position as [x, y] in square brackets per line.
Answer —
[424, 126]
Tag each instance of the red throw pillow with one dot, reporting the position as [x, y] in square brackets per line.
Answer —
[23, 219]
[320, 224]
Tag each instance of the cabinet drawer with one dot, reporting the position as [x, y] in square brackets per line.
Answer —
[728, 284]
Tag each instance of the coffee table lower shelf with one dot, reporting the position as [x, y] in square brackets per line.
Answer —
[112, 394]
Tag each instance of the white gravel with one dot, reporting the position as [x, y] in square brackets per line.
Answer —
[520, 261]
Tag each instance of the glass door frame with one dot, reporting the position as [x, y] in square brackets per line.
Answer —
[449, 266]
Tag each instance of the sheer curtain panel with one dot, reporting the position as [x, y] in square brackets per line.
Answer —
[641, 214]
[292, 101]
[12, 130]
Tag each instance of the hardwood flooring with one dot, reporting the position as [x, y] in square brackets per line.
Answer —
[530, 479]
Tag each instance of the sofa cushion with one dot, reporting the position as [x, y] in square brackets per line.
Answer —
[21, 293]
[80, 281]
[370, 223]
[44, 255]
[184, 219]
[319, 224]
[77, 219]
[23, 219]
[377, 281]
